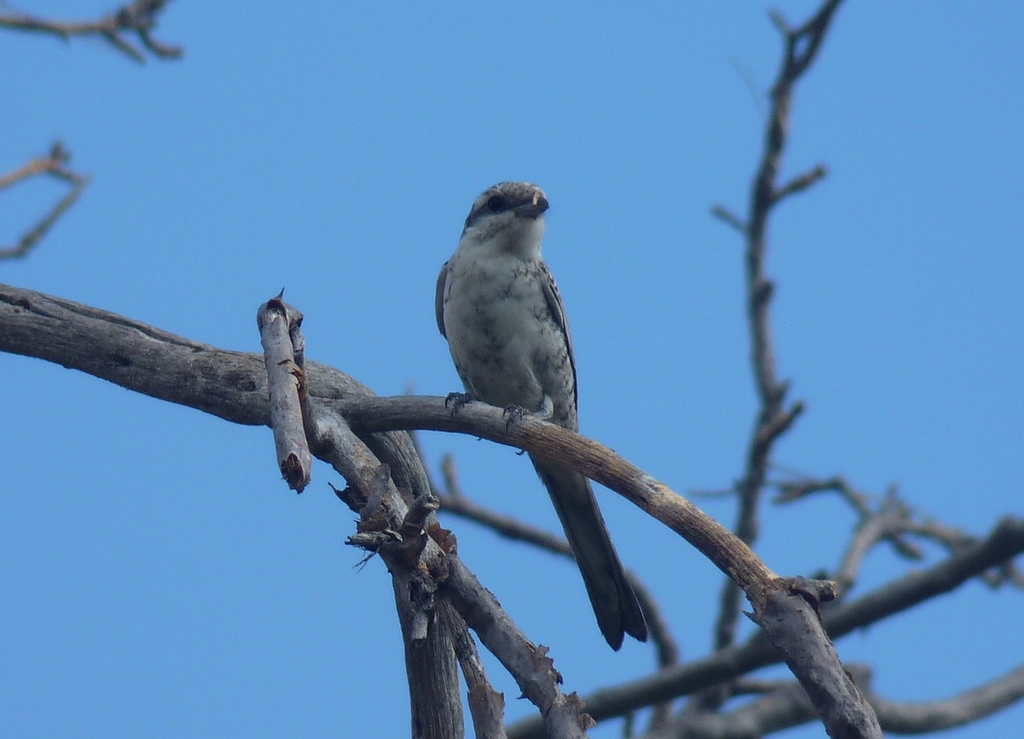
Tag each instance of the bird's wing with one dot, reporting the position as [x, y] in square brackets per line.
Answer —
[439, 299]
[554, 301]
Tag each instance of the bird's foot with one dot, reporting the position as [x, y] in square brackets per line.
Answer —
[455, 401]
[514, 414]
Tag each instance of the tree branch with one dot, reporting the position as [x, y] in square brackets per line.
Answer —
[1004, 542]
[562, 715]
[785, 705]
[801, 47]
[893, 521]
[55, 165]
[233, 386]
[138, 17]
[162, 365]
[964, 708]
[486, 705]
[282, 350]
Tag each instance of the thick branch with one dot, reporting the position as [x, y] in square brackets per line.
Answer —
[1004, 542]
[232, 386]
[561, 715]
[582, 454]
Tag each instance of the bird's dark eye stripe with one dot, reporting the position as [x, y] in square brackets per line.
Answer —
[493, 204]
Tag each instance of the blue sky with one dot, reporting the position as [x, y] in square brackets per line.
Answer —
[160, 580]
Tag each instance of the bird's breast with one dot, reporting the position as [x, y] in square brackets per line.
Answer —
[499, 328]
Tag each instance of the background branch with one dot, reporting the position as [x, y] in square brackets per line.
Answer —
[55, 165]
[800, 48]
[138, 18]
[1005, 541]
[959, 710]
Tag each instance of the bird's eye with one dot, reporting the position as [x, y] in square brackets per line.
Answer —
[495, 204]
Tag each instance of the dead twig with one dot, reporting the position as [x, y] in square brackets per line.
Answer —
[801, 46]
[55, 165]
[137, 18]
[893, 521]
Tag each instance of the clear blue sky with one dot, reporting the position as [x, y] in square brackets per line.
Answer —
[159, 580]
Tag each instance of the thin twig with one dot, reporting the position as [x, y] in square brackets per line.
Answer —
[727, 216]
[893, 521]
[55, 165]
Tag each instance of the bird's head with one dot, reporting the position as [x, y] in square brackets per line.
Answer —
[509, 217]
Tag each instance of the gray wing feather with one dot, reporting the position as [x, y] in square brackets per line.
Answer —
[439, 299]
[554, 301]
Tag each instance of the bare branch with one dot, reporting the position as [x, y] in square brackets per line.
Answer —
[888, 524]
[232, 385]
[391, 525]
[784, 706]
[792, 490]
[455, 502]
[278, 324]
[836, 698]
[166, 366]
[724, 214]
[138, 17]
[562, 715]
[486, 705]
[777, 426]
[55, 165]
[801, 183]
[1004, 542]
[801, 46]
[969, 706]
[587, 457]
[892, 521]
[532, 670]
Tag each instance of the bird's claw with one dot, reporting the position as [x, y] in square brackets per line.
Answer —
[514, 414]
[455, 401]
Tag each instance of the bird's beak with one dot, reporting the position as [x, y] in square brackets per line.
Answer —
[533, 209]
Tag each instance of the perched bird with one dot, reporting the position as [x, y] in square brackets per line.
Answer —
[499, 309]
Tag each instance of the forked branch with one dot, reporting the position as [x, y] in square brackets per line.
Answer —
[138, 18]
[54, 164]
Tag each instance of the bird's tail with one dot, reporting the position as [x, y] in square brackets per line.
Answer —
[611, 596]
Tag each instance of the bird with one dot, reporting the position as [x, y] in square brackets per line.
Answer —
[498, 307]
